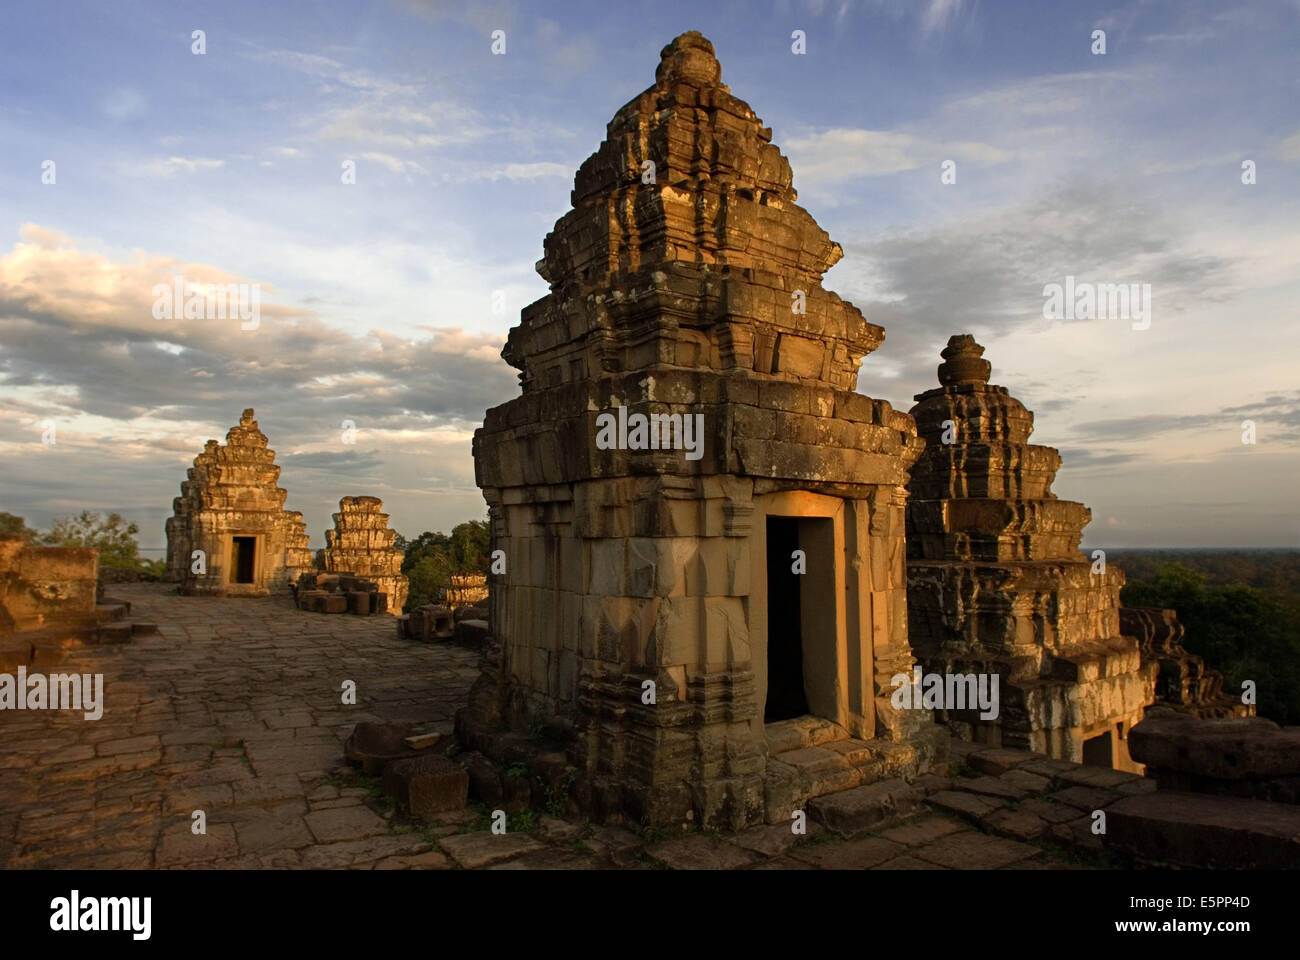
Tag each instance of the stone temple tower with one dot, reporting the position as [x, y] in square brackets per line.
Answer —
[687, 443]
[996, 582]
[232, 512]
[362, 544]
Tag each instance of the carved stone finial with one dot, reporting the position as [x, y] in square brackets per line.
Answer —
[689, 57]
[962, 362]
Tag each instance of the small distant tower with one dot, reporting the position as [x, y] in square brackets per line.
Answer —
[996, 582]
[362, 544]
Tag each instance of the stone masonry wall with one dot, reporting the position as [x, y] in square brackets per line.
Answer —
[45, 586]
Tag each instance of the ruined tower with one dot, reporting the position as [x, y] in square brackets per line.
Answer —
[687, 442]
[996, 582]
[362, 544]
[231, 509]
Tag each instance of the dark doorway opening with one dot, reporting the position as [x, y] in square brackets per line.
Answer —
[1097, 751]
[786, 697]
[244, 551]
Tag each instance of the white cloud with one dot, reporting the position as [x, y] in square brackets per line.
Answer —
[130, 420]
[839, 154]
[394, 164]
[330, 70]
[520, 171]
[938, 14]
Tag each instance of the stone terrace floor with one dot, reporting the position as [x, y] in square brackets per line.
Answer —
[234, 708]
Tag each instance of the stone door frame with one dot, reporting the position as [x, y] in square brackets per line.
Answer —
[232, 586]
[829, 667]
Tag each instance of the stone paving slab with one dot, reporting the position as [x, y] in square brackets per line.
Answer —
[774, 840]
[975, 851]
[923, 830]
[233, 708]
[698, 852]
[850, 854]
[472, 850]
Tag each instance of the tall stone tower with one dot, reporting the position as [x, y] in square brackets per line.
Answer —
[996, 582]
[231, 509]
[361, 543]
[688, 441]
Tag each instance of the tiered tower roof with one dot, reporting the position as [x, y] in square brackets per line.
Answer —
[685, 217]
[362, 544]
[980, 490]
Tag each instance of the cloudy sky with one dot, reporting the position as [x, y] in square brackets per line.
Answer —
[377, 296]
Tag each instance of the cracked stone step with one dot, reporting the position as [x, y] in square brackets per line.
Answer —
[865, 808]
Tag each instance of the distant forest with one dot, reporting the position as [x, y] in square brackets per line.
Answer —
[1276, 571]
[1241, 609]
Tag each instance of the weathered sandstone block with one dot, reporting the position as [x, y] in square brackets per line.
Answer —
[45, 586]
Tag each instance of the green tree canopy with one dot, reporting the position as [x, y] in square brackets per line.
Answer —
[11, 524]
[1247, 633]
[111, 535]
[432, 557]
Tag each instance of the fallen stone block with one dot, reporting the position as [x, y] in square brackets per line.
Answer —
[427, 785]
[422, 741]
[485, 778]
[435, 622]
[471, 633]
[438, 790]
[373, 745]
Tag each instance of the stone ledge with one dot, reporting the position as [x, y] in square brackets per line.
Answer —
[1196, 830]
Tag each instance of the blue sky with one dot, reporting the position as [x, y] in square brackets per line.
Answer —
[377, 296]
